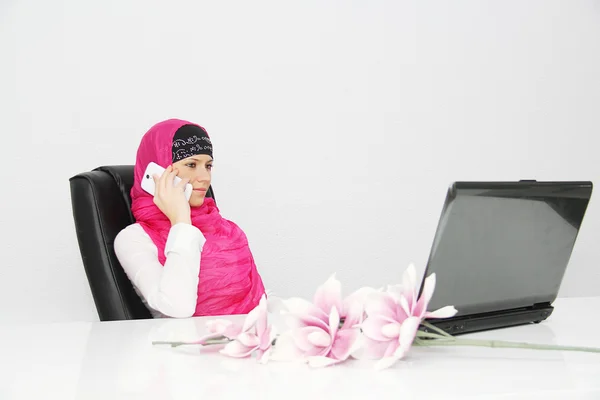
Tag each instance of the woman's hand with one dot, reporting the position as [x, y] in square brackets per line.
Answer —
[170, 198]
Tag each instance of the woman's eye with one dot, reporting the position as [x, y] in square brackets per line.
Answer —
[191, 165]
[209, 166]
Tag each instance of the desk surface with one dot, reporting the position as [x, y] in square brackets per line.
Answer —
[116, 360]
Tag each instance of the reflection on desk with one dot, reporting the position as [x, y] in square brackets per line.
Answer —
[116, 360]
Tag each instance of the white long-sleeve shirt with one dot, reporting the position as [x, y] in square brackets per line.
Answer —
[170, 290]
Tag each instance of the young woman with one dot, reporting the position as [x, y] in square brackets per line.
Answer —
[183, 258]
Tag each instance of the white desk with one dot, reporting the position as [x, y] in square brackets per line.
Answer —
[116, 360]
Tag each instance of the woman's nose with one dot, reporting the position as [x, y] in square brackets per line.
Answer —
[202, 176]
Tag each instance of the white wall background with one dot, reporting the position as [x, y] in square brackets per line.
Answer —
[338, 125]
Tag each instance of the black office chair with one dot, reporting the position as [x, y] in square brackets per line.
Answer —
[101, 209]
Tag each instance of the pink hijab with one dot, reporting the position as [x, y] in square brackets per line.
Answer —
[229, 282]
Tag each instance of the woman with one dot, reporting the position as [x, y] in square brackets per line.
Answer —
[182, 257]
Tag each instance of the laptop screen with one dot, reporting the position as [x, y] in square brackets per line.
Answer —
[504, 246]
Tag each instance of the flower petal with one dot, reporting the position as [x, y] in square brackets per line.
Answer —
[334, 321]
[359, 296]
[276, 305]
[236, 349]
[382, 304]
[319, 338]
[444, 312]
[391, 349]
[217, 325]
[262, 321]
[391, 330]
[248, 339]
[353, 307]
[409, 283]
[329, 295]
[320, 361]
[372, 327]
[428, 289]
[296, 321]
[370, 349]
[299, 306]
[405, 306]
[232, 331]
[408, 331]
[251, 319]
[263, 355]
[411, 277]
[354, 314]
[386, 362]
[344, 343]
[223, 327]
[395, 291]
[286, 349]
[266, 339]
[302, 342]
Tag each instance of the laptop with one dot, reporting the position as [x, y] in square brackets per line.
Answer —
[501, 250]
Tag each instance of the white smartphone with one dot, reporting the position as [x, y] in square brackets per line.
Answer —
[155, 169]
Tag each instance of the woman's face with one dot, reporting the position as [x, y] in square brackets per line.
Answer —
[198, 170]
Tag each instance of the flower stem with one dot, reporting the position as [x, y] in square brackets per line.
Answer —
[503, 344]
[205, 343]
[435, 329]
[429, 335]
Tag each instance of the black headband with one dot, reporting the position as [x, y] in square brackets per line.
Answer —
[190, 140]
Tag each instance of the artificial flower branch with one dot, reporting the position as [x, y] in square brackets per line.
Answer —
[210, 342]
[444, 339]
[368, 324]
[440, 340]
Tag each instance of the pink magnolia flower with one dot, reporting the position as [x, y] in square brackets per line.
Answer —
[393, 319]
[316, 335]
[256, 335]
[327, 296]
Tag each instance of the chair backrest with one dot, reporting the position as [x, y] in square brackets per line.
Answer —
[101, 204]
